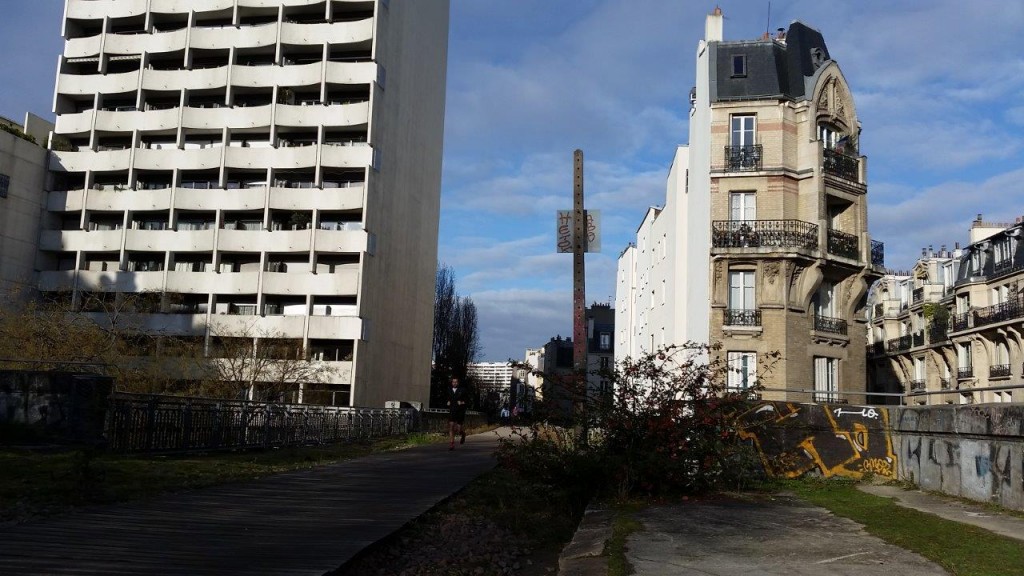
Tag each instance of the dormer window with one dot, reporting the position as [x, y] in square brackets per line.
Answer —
[739, 65]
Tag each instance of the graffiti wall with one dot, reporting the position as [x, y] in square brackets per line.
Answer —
[831, 439]
[972, 451]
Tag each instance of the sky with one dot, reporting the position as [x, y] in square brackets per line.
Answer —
[938, 87]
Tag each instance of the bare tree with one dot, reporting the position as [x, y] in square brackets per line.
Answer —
[456, 340]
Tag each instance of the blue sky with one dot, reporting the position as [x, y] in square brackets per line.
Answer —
[938, 85]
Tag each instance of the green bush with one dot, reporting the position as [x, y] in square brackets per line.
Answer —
[669, 426]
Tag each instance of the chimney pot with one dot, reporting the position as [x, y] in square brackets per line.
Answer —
[979, 217]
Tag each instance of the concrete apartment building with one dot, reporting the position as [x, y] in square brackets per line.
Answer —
[775, 254]
[268, 168]
[22, 197]
[950, 330]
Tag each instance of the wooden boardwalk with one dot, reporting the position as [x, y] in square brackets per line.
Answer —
[296, 523]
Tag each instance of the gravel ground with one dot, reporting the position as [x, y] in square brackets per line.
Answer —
[453, 544]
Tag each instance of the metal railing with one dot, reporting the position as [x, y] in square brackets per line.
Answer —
[830, 325]
[761, 233]
[937, 334]
[999, 371]
[898, 344]
[1009, 310]
[917, 295]
[917, 339]
[965, 372]
[843, 244]
[841, 165]
[740, 317]
[743, 158]
[916, 385]
[945, 384]
[877, 253]
[154, 423]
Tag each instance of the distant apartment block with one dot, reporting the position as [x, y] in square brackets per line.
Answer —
[762, 245]
[949, 331]
[267, 168]
[22, 198]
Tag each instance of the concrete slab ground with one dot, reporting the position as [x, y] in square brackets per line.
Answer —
[952, 509]
[763, 536]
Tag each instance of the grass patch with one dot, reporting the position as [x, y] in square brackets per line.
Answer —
[623, 525]
[33, 483]
[962, 549]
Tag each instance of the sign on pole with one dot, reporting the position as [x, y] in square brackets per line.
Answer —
[592, 231]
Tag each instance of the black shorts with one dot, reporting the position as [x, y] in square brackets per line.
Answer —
[457, 416]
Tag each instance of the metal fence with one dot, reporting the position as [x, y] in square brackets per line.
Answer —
[153, 423]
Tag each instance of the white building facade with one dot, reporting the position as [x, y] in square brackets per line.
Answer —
[269, 168]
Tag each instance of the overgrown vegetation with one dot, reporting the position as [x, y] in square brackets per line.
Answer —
[33, 483]
[669, 426]
[962, 549]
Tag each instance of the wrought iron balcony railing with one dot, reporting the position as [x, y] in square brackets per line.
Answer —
[877, 253]
[917, 295]
[999, 371]
[1009, 310]
[917, 385]
[961, 321]
[743, 158]
[843, 244]
[937, 333]
[830, 325]
[945, 383]
[917, 339]
[876, 349]
[965, 372]
[764, 233]
[898, 344]
[841, 165]
[741, 317]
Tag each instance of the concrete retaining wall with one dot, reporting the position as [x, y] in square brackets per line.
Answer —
[973, 451]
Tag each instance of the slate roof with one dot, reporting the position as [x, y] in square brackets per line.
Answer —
[774, 70]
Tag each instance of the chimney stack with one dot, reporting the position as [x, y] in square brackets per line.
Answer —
[713, 26]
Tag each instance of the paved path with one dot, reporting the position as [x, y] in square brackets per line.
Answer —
[952, 509]
[297, 523]
[767, 536]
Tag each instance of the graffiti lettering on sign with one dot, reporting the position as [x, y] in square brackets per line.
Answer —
[564, 231]
[794, 439]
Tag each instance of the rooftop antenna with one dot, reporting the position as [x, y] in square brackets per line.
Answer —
[768, 25]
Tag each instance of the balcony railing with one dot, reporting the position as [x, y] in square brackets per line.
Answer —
[879, 310]
[830, 325]
[937, 333]
[877, 253]
[961, 321]
[764, 233]
[945, 383]
[917, 295]
[743, 158]
[999, 371]
[1009, 310]
[843, 244]
[965, 372]
[876, 349]
[898, 344]
[841, 165]
[739, 317]
[917, 339]
[917, 385]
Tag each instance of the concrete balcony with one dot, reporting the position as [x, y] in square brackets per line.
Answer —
[120, 281]
[153, 43]
[90, 160]
[345, 282]
[94, 241]
[89, 84]
[99, 9]
[351, 72]
[128, 199]
[209, 282]
[265, 241]
[58, 280]
[346, 156]
[259, 326]
[236, 118]
[83, 47]
[220, 199]
[356, 114]
[266, 76]
[339, 372]
[336, 327]
[80, 123]
[185, 79]
[322, 33]
[347, 198]
[263, 158]
[274, 3]
[196, 159]
[65, 200]
[186, 6]
[225, 37]
[169, 240]
[349, 241]
[131, 119]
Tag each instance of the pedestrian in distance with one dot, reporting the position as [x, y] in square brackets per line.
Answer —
[456, 413]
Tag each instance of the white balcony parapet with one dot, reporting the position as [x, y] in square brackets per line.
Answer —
[350, 241]
[345, 282]
[227, 117]
[346, 156]
[225, 37]
[263, 158]
[201, 282]
[336, 327]
[170, 41]
[334, 33]
[80, 161]
[195, 159]
[126, 120]
[185, 79]
[87, 84]
[354, 114]
[186, 6]
[94, 241]
[169, 240]
[258, 326]
[349, 197]
[128, 199]
[351, 72]
[263, 240]
[99, 9]
[220, 199]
